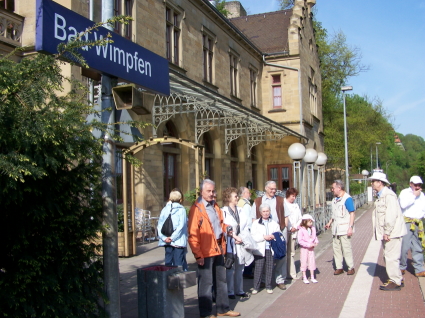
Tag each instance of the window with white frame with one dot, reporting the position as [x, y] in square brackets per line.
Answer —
[117, 12]
[312, 91]
[208, 56]
[173, 35]
[253, 86]
[277, 91]
[128, 11]
[123, 7]
[234, 81]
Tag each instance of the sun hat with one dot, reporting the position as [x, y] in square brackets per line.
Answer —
[379, 176]
[416, 180]
[307, 217]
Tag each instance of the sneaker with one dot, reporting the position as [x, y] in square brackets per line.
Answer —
[314, 281]
[403, 271]
[254, 291]
[243, 295]
[269, 291]
[420, 274]
[281, 286]
[305, 280]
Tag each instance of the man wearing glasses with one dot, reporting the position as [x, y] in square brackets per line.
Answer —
[342, 221]
[279, 215]
[412, 203]
[388, 227]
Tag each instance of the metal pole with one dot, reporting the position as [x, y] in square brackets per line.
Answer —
[347, 182]
[377, 165]
[110, 236]
[371, 164]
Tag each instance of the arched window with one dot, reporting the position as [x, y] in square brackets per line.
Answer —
[254, 163]
[209, 155]
[234, 164]
[171, 152]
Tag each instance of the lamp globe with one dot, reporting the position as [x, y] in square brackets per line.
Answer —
[310, 155]
[321, 159]
[296, 151]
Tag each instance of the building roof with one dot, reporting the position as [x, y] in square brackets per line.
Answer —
[268, 31]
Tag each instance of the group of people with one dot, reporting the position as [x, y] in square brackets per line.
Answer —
[398, 224]
[252, 237]
[249, 237]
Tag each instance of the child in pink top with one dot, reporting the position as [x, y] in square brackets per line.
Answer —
[308, 240]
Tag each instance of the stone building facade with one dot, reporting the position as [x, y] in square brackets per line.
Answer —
[242, 100]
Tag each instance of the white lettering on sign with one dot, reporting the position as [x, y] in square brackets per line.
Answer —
[129, 60]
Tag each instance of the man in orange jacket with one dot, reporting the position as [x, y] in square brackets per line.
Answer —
[208, 243]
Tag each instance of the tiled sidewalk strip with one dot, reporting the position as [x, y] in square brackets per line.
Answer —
[325, 299]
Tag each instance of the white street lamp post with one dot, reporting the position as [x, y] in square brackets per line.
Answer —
[365, 173]
[310, 158]
[320, 162]
[347, 174]
[296, 152]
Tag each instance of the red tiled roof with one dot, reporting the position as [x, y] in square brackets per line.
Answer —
[268, 31]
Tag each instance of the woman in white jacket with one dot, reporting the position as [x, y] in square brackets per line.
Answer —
[234, 217]
[262, 232]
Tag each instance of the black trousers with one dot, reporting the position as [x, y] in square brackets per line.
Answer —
[212, 272]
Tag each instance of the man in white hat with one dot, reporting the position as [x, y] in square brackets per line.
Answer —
[412, 203]
[389, 227]
[342, 221]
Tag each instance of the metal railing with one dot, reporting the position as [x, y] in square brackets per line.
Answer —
[322, 214]
[11, 27]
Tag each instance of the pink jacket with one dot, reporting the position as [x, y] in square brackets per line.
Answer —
[304, 239]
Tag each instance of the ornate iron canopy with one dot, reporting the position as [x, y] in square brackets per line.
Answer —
[212, 110]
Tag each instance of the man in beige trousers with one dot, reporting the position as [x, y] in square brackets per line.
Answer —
[389, 227]
[342, 222]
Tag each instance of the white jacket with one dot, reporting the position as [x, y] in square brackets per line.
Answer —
[387, 217]
[258, 230]
[244, 256]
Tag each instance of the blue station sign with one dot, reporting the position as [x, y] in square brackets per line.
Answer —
[122, 58]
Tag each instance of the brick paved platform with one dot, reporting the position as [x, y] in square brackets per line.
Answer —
[334, 296]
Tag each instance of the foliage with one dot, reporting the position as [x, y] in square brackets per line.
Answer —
[120, 217]
[221, 7]
[51, 203]
[50, 176]
[192, 195]
[285, 4]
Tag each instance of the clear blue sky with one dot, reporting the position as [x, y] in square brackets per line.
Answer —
[391, 38]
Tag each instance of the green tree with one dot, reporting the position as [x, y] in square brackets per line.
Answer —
[50, 194]
[221, 6]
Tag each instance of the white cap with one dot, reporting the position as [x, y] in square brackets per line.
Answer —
[307, 217]
[416, 180]
[379, 176]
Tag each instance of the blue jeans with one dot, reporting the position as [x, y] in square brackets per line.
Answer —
[175, 256]
[411, 241]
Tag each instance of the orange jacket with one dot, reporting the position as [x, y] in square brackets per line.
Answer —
[202, 239]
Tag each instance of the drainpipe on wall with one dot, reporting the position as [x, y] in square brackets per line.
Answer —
[299, 87]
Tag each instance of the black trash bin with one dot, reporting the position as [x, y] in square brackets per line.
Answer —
[160, 291]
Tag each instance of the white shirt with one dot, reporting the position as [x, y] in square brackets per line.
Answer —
[412, 206]
[294, 212]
